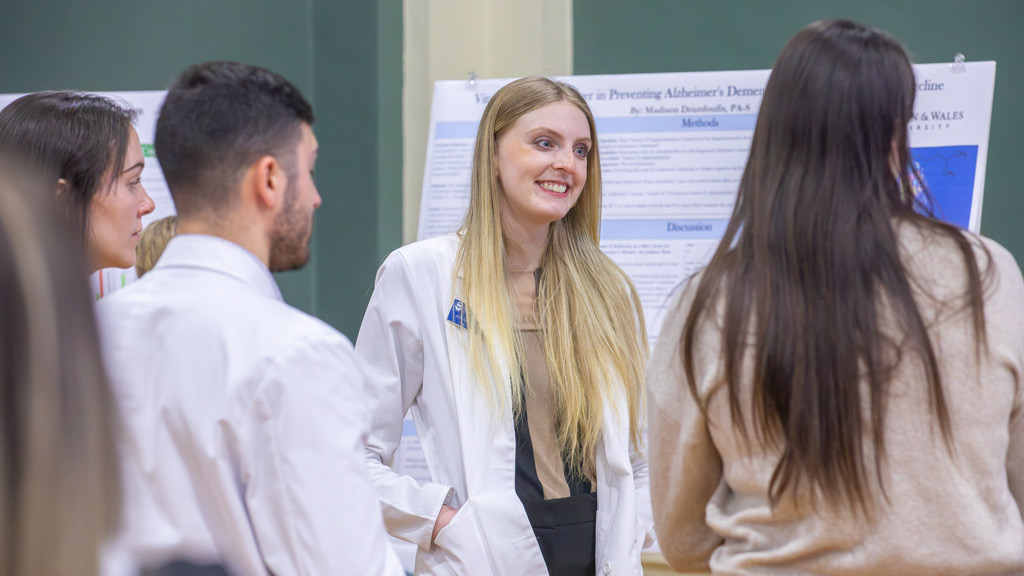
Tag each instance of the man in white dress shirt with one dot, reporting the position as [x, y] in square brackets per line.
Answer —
[244, 418]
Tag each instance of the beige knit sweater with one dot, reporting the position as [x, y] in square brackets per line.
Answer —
[943, 515]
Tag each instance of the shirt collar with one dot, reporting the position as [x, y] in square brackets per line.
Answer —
[222, 256]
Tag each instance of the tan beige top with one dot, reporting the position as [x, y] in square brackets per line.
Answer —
[540, 398]
[943, 516]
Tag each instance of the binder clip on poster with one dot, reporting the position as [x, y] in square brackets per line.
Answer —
[958, 65]
[471, 80]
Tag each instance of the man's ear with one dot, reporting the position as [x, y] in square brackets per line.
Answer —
[62, 187]
[271, 182]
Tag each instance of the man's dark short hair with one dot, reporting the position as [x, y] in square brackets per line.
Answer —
[218, 119]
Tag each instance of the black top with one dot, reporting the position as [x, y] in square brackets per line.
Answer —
[565, 527]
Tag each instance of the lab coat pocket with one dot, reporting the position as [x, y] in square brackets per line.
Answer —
[462, 544]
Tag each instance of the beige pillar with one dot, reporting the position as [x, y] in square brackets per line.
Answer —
[447, 39]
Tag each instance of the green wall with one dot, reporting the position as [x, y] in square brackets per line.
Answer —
[344, 56]
[613, 37]
[358, 73]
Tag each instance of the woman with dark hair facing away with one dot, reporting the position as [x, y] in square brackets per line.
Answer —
[59, 475]
[520, 349]
[840, 390]
[86, 144]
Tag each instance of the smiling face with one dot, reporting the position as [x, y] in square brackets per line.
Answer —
[542, 167]
[116, 211]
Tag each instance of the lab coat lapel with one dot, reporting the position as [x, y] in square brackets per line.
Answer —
[488, 448]
[488, 445]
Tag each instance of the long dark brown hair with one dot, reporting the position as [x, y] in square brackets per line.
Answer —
[810, 262]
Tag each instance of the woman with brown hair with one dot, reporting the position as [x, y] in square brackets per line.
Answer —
[840, 390]
[87, 146]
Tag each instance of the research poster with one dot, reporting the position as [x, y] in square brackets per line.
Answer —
[147, 106]
[673, 148]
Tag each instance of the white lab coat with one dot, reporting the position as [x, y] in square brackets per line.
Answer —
[244, 422]
[415, 358]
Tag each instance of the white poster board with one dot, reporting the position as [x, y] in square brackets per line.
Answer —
[673, 148]
[147, 105]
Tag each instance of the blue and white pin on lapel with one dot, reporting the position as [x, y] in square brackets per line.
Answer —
[457, 315]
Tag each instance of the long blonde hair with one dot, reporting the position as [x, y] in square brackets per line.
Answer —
[59, 474]
[595, 341]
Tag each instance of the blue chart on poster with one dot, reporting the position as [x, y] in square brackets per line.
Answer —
[948, 172]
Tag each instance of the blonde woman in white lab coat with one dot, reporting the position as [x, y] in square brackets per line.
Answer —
[520, 349]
